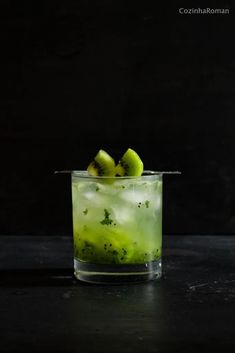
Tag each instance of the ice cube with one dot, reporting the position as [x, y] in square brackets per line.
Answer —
[134, 195]
[89, 195]
[143, 195]
[122, 214]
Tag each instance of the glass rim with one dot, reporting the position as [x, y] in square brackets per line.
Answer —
[146, 174]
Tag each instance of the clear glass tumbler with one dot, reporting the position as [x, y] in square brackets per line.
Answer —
[117, 227]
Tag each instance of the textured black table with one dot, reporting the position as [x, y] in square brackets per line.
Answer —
[44, 309]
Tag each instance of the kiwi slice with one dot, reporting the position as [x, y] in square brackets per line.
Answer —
[130, 164]
[102, 165]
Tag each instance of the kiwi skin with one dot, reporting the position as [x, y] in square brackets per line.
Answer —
[102, 165]
[130, 164]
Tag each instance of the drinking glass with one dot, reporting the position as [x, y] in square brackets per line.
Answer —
[117, 227]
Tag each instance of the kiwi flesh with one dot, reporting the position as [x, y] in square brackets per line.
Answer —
[130, 164]
[102, 165]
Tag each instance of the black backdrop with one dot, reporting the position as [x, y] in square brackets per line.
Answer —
[78, 76]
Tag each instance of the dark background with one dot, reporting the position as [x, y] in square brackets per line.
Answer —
[78, 76]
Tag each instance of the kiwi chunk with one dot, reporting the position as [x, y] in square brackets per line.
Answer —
[102, 165]
[130, 164]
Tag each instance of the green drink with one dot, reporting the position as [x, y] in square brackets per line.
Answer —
[117, 227]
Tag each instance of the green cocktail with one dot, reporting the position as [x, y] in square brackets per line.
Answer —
[117, 227]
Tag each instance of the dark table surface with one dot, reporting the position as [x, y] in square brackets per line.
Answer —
[44, 309]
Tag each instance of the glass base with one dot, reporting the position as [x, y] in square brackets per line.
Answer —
[117, 274]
